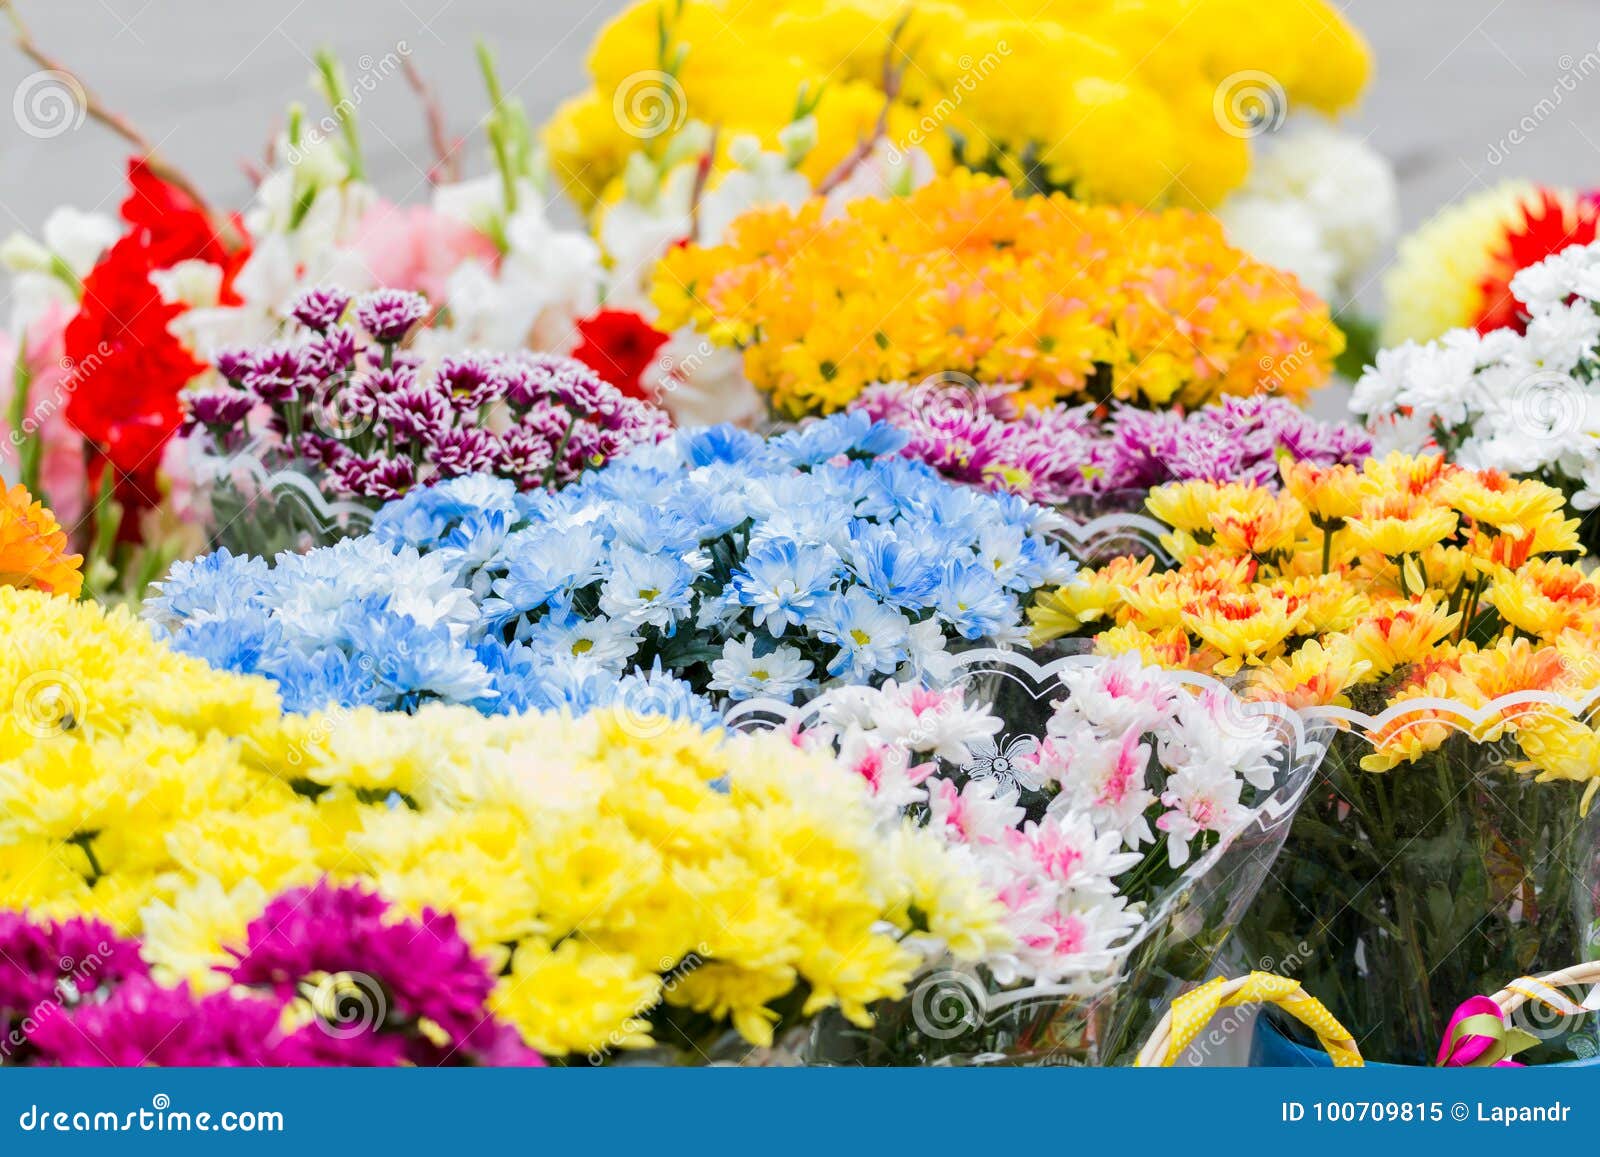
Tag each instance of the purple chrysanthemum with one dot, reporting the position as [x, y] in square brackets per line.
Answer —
[379, 476]
[320, 309]
[389, 314]
[1061, 456]
[224, 409]
[524, 457]
[277, 374]
[374, 421]
[471, 382]
[465, 451]
[418, 414]
[233, 364]
[330, 354]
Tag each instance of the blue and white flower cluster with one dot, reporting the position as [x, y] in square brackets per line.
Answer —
[717, 563]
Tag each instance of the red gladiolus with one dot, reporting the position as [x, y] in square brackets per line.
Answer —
[166, 222]
[619, 345]
[126, 371]
[125, 368]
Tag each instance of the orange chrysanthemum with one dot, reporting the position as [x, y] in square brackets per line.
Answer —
[33, 547]
[1071, 302]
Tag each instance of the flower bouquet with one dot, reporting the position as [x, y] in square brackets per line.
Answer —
[353, 886]
[313, 433]
[1455, 272]
[718, 563]
[116, 323]
[1516, 396]
[1425, 609]
[1121, 842]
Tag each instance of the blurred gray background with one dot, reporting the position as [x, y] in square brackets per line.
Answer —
[1468, 92]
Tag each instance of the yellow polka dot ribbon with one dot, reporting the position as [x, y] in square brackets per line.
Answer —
[1192, 1011]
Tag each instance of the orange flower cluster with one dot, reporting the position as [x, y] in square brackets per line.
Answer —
[1072, 302]
[1408, 578]
[33, 547]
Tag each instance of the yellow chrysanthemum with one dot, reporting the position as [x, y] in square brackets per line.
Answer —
[1397, 636]
[1559, 747]
[1330, 494]
[1400, 525]
[573, 999]
[1138, 102]
[1313, 676]
[1093, 600]
[1248, 629]
[188, 936]
[1545, 597]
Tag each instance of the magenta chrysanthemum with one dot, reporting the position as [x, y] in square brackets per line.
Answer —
[142, 1023]
[415, 969]
[38, 961]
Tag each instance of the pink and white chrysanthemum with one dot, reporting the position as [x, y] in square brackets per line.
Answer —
[1203, 798]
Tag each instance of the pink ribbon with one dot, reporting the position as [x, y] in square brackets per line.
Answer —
[1477, 1037]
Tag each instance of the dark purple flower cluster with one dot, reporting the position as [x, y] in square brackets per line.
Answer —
[381, 989]
[47, 969]
[349, 403]
[1058, 456]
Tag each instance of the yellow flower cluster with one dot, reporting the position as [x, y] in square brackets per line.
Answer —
[1072, 302]
[607, 863]
[1147, 102]
[1408, 577]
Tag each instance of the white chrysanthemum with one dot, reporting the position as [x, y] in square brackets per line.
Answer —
[745, 675]
[1522, 403]
[1285, 235]
[1319, 202]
